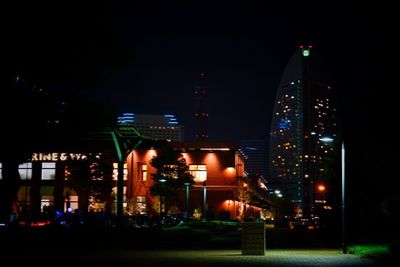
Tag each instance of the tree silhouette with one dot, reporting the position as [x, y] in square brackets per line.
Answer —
[28, 115]
[172, 173]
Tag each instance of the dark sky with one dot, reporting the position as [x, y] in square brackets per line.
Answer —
[145, 56]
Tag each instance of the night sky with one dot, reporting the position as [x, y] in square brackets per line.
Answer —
[146, 56]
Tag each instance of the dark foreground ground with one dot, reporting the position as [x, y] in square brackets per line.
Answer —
[157, 247]
[210, 258]
[89, 238]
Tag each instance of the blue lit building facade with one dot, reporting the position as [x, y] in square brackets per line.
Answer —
[156, 127]
[256, 156]
[304, 112]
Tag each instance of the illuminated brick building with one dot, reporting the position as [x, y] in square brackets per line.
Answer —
[48, 180]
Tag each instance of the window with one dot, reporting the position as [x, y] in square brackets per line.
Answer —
[171, 171]
[115, 171]
[48, 170]
[141, 204]
[142, 169]
[25, 171]
[71, 203]
[1, 171]
[46, 202]
[199, 172]
[115, 192]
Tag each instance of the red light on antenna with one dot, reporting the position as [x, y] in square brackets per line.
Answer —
[309, 46]
[302, 46]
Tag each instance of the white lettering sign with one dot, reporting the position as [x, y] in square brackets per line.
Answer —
[61, 156]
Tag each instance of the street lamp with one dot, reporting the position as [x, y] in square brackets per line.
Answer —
[187, 200]
[344, 245]
[204, 198]
[343, 208]
[162, 181]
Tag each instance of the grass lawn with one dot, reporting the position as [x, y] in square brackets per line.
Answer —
[376, 251]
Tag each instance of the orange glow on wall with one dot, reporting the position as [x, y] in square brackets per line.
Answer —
[151, 153]
[230, 169]
[211, 159]
[228, 202]
[229, 173]
[188, 158]
[321, 188]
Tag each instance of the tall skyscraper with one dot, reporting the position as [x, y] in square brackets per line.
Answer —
[304, 113]
[201, 109]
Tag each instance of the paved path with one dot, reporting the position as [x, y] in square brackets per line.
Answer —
[190, 258]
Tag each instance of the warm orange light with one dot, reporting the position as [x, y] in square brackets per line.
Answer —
[321, 188]
[187, 157]
[151, 153]
[211, 159]
[230, 169]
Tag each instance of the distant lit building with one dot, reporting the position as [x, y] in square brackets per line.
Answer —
[157, 127]
[304, 112]
[256, 156]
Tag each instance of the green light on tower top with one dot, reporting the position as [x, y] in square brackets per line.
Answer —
[306, 50]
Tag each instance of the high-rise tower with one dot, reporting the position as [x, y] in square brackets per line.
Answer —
[304, 112]
[201, 109]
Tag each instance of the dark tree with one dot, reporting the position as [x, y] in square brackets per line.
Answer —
[92, 180]
[28, 115]
[80, 178]
[172, 173]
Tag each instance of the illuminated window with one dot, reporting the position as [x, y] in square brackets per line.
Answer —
[142, 169]
[141, 204]
[25, 171]
[48, 170]
[115, 172]
[1, 171]
[46, 202]
[199, 172]
[171, 171]
[115, 192]
[71, 204]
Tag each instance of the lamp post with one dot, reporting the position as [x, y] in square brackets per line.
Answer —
[162, 181]
[204, 199]
[344, 245]
[187, 200]
[343, 202]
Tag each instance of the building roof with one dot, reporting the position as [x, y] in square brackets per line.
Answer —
[206, 145]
